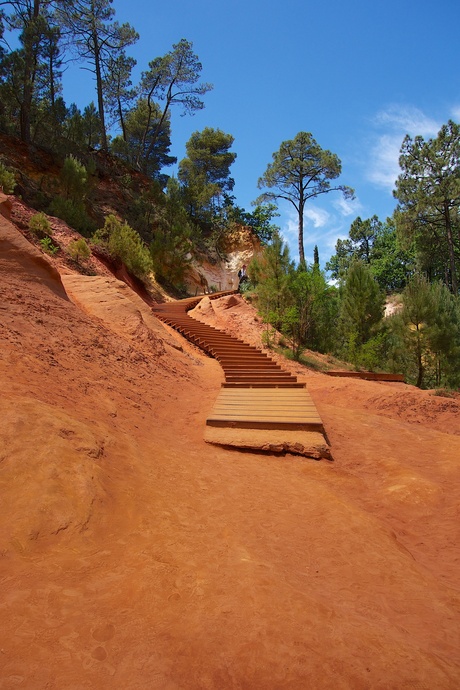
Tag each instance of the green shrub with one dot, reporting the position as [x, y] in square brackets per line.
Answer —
[444, 393]
[124, 243]
[269, 337]
[78, 250]
[7, 180]
[48, 246]
[40, 226]
[74, 179]
[73, 213]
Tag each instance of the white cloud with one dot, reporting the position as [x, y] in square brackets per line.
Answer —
[318, 216]
[384, 168]
[407, 120]
[347, 207]
[455, 113]
[395, 122]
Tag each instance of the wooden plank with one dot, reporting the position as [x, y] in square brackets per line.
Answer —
[368, 375]
[265, 409]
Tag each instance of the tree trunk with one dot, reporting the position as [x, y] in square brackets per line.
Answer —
[420, 366]
[450, 243]
[122, 120]
[30, 63]
[100, 99]
[301, 210]
[140, 152]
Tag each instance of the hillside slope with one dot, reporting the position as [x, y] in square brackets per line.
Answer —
[134, 555]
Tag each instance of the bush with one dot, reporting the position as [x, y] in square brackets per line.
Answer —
[73, 213]
[269, 337]
[78, 250]
[48, 246]
[74, 179]
[40, 226]
[444, 393]
[7, 180]
[124, 243]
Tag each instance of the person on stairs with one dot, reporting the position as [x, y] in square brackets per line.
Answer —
[242, 276]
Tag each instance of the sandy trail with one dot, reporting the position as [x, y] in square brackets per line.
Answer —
[134, 555]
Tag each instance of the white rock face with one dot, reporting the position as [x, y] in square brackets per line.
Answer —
[216, 273]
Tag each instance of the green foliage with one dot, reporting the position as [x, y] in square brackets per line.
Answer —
[125, 244]
[173, 80]
[444, 393]
[428, 191]
[146, 209]
[7, 180]
[171, 246]
[309, 322]
[118, 89]
[259, 220]
[269, 336]
[85, 129]
[98, 40]
[296, 302]
[39, 225]
[78, 250]
[135, 146]
[73, 213]
[47, 245]
[69, 206]
[361, 309]
[316, 256]
[205, 173]
[426, 334]
[269, 272]
[377, 245]
[301, 170]
[371, 355]
[74, 179]
[305, 360]
[31, 70]
[390, 263]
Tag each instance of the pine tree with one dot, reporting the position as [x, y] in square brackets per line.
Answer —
[428, 191]
[97, 40]
[172, 80]
[361, 307]
[301, 170]
[270, 274]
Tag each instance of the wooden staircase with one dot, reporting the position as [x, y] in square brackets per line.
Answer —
[257, 393]
[244, 365]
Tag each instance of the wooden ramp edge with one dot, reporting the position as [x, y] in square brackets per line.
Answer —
[368, 376]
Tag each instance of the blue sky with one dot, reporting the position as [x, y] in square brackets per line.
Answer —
[358, 75]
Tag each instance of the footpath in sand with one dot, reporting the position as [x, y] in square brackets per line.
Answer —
[134, 555]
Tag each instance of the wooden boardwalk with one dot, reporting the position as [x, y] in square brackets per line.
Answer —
[265, 408]
[368, 375]
[257, 393]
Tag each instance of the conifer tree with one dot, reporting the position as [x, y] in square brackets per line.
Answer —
[97, 40]
[172, 80]
[270, 274]
[34, 67]
[301, 170]
[205, 172]
[361, 306]
[428, 191]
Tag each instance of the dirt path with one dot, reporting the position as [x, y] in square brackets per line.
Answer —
[134, 555]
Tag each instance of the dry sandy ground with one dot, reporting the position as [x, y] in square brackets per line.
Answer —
[136, 556]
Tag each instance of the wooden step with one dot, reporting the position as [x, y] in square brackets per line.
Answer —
[265, 409]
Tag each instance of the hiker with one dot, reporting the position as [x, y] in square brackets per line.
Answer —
[242, 277]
